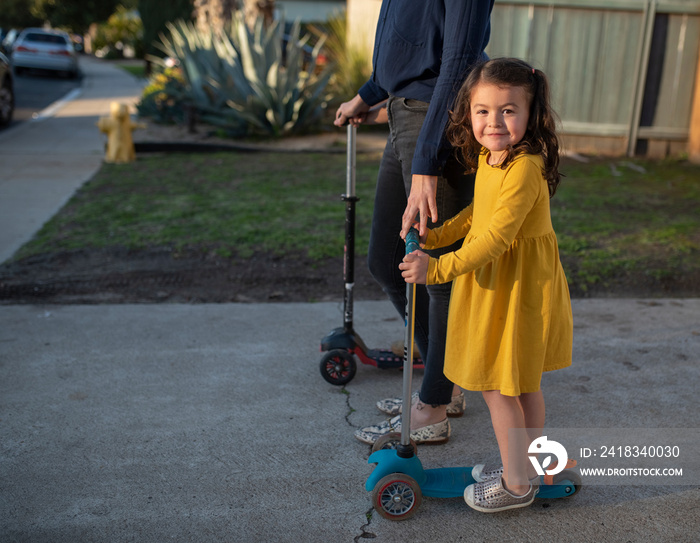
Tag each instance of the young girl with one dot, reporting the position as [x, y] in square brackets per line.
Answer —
[510, 312]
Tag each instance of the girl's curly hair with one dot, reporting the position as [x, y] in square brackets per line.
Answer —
[540, 137]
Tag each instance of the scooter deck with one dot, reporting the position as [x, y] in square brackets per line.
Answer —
[434, 483]
[447, 482]
[384, 359]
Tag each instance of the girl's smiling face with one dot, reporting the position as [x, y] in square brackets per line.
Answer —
[499, 117]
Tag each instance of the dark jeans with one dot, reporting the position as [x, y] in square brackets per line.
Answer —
[386, 248]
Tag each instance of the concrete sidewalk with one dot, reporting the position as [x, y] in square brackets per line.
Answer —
[212, 423]
[45, 160]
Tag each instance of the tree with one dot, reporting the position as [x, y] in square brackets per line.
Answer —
[123, 29]
[154, 15]
[17, 14]
[73, 15]
[214, 14]
[252, 9]
[217, 13]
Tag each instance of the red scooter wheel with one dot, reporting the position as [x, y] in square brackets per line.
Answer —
[338, 367]
[397, 496]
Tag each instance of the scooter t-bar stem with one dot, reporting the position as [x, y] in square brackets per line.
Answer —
[351, 162]
[349, 254]
[405, 449]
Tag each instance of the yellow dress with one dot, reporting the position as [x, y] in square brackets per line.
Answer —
[510, 312]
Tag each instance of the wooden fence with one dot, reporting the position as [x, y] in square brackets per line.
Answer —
[622, 71]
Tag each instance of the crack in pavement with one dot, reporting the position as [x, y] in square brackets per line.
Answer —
[351, 409]
[365, 534]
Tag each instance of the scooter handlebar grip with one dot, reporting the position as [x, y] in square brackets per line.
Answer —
[412, 241]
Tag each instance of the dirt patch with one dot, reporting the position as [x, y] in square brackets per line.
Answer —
[160, 276]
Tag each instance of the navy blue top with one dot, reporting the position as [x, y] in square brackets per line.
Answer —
[423, 50]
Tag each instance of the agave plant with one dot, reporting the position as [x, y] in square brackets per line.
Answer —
[253, 80]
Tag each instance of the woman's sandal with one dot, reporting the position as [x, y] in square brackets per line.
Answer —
[392, 406]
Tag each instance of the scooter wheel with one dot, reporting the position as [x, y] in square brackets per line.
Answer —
[338, 367]
[390, 441]
[397, 496]
[573, 485]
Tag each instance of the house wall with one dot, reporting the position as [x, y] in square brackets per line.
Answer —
[362, 17]
[309, 11]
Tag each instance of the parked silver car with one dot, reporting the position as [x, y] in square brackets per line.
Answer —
[7, 92]
[46, 50]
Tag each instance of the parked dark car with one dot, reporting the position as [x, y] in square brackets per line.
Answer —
[7, 39]
[7, 92]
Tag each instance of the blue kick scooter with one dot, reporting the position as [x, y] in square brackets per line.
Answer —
[399, 481]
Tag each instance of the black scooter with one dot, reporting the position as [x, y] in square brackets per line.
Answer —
[343, 344]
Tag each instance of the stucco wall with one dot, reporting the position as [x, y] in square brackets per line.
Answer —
[362, 16]
[309, 11]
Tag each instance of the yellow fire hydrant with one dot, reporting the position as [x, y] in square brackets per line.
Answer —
[118, 127]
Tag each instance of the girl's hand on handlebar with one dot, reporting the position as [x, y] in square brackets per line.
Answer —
[414, 268]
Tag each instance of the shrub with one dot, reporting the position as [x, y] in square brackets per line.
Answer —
[352, 66]
[165, 97]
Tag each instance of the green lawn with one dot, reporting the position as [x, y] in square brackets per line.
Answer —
[619, 218]
[137, 70]
[232, 203]
[616, 219]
